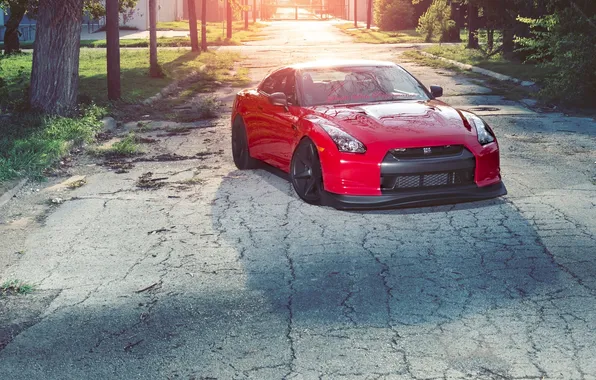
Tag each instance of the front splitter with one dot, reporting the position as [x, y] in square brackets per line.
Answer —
[414, 198]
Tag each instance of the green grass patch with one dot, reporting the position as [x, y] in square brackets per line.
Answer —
[416, 56]
[216, 31]
[136, 84]
[497, 63]
[31, 143]
[126, 147]
[15, 287]
[374, 36]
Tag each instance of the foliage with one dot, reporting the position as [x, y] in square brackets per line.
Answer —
[15, 287]
[435, 21]
[394, 14]
[564, 42]
[31, 143]
[96, 8]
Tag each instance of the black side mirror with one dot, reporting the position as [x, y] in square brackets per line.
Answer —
[436, 91]
[279, 99]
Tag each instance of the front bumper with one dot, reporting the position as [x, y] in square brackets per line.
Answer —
[414, 198]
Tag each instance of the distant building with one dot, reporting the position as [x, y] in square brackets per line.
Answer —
[167, 10]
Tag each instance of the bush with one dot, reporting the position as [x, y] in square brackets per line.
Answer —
[564, 42]
[394, 14]
[435, 21]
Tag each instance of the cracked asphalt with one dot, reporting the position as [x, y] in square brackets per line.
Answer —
[222, 274]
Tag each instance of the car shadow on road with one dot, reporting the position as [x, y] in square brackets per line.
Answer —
[380, 268]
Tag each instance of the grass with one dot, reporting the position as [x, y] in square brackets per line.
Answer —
[126, 147]
[506, 89]
[136, 85]
[15, 287]
[31, 143]
[216, 36]
[374, 36]
[216, 31]
[497, 63]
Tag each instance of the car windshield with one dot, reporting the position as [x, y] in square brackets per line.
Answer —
[361, 84]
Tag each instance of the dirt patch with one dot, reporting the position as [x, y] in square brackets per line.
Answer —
[147, 182]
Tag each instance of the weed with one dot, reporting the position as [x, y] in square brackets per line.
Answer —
[206, 106]
[124, 148]
[15, 287]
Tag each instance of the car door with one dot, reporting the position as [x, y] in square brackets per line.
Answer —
[259, 133]
[277, 130]
[281, 123]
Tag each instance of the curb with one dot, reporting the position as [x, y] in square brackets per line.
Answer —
[7, 196]
[479, 70]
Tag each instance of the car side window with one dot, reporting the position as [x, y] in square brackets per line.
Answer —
[275, 83]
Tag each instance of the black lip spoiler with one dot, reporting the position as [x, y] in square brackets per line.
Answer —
[414, 198]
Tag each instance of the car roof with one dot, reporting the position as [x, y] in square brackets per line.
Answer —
[338, 63]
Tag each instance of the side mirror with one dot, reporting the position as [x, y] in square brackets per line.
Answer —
[279, 99]
[436, 91]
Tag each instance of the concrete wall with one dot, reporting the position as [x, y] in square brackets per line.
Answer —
[167, 10]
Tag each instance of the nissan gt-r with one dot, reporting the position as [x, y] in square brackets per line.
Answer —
[364, 134]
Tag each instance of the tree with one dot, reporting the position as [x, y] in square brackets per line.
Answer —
[229, 20]
[204, 25]
[192, 21]
[113, 49]
[154, 69]
[17, 8]
[394, 14]
[436, 21]
[368, 13]
[55, 72]
[564, 41]
[473, 26]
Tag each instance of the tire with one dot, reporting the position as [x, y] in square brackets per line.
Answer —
[240, 151]
[306, 174]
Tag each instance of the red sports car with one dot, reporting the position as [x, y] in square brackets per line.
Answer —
[364, 134]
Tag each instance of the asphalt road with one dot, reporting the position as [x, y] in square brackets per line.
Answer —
[222, 274]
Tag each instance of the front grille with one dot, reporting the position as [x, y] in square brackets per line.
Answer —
[434, 151]
[427, 180]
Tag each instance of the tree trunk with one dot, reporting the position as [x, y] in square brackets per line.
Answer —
[229, 19]
[508, 39]
[490, 37]
[192, 21]
[11, 33]
[204, 25]
[113, 48]
[368, 13]
[55, 72]
[254, 11]
[355, 13]
[154, 70]
[472, 27]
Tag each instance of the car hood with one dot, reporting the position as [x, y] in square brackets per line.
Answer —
[409, 123]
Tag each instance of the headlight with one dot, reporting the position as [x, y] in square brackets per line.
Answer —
[343, 141]
[485, 135]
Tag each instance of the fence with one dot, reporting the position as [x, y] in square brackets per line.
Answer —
[26, 32]
[301, 12]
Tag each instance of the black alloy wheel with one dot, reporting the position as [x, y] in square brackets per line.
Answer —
[240, 152]
[305, 172]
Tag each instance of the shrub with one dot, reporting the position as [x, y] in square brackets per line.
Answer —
[435, 21]
[563, 42]
[394, 14]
